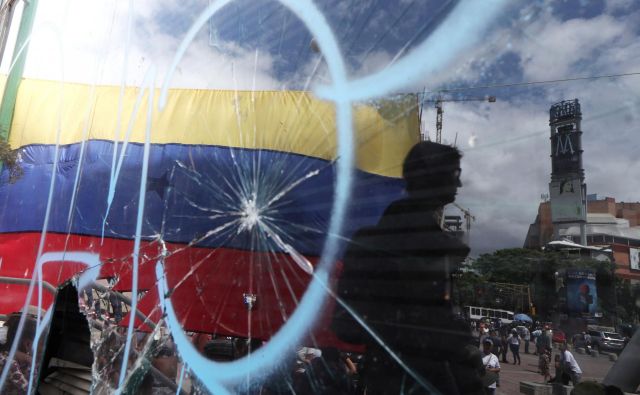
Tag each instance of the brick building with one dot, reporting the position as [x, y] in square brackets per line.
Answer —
[611, 224]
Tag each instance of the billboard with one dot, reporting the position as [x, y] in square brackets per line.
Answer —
[582, 296]
[567, 204]
[634, 258]
[566, 150]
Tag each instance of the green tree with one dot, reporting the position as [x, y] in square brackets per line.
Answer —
[465, 290]
[541, 270]
[628, 296]
[9, 158]
[513, 265]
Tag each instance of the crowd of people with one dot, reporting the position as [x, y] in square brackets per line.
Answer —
[17, 381]
[509, 339]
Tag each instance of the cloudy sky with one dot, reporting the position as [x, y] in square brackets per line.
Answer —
[506, 167]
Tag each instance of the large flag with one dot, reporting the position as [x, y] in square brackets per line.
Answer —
[238, 196]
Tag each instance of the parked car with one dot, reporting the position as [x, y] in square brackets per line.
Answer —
[558, 336]
[607, 341]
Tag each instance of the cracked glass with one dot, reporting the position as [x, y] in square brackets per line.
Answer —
[317, 197]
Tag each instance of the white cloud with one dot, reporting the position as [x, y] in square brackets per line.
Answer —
[618, 5]
[372, 63]
[552, 49]
[548, 48]
[93, 35]
[505, 172]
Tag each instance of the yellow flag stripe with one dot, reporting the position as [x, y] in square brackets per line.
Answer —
[287, 121]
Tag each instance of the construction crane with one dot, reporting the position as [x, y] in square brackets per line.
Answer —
[468, 217]
[453, 223]
[439, 110]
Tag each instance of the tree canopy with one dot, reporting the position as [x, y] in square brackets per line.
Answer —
[540, 270]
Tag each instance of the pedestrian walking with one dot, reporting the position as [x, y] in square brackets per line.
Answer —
[534, 337]
[544, 362]
[569, 364]
[503, 347]
[560, 375]
[483, 336]
[491, 364]
[514, 345]
[587, 340]
[527, 337]
[497, 344]
[543, 342]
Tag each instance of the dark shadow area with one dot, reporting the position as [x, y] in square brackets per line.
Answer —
[68, 357]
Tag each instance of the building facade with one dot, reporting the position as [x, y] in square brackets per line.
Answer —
[570, 215]
[611, 224]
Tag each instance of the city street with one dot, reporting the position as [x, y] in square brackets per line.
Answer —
[511, 375]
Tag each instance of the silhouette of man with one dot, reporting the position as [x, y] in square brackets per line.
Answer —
[397, 278]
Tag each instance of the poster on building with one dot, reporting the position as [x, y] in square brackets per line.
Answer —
[582, 296]
[566, 200]
[634, 258]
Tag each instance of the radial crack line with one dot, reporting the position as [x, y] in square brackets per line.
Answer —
[302, 262]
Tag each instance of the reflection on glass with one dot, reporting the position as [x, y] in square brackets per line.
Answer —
[266, 187]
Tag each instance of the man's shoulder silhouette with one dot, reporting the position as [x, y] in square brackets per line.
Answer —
[397, 278]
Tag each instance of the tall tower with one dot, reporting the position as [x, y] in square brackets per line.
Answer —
[567, 188]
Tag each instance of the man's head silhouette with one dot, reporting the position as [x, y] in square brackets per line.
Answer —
[432, 172]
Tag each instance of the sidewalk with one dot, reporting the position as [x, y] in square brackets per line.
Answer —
[511, 375]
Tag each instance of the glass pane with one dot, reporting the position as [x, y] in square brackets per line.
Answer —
[187, 184]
